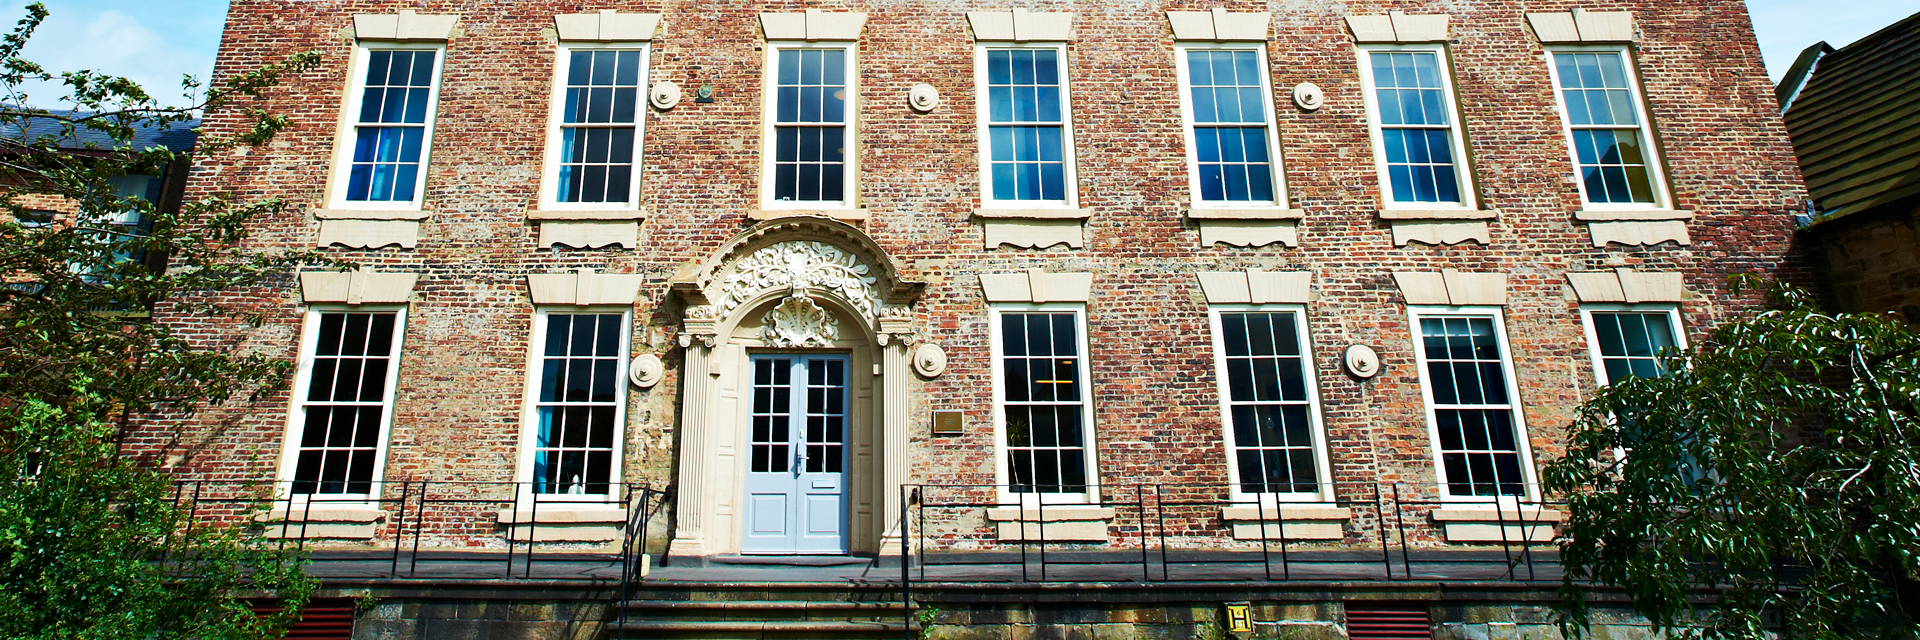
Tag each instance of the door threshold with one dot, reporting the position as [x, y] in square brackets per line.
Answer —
[789, 560]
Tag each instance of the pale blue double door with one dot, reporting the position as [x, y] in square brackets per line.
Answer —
[796, 483]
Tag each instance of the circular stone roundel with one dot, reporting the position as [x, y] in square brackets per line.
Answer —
[1308, 96]
[923, 97]
[1362, 362]
[929, 360]
[646, 370]
[665, 95]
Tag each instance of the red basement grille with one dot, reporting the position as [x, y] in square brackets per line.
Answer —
[323, 619]
[1388, 621]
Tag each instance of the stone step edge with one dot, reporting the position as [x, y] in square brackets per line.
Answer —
[771, 625]
[763, 605]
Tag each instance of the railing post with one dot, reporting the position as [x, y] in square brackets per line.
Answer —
[906, 572]
[1380, 518]
[1400, 525]
[1140, 507]
[399, 527]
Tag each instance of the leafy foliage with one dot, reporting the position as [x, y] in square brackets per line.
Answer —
[1769, 484]
[93, 545]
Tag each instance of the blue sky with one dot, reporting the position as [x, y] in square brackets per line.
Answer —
[155, 41]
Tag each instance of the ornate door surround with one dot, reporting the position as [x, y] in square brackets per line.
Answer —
[796, 283]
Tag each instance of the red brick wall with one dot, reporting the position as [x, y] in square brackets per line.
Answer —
[1157, 419]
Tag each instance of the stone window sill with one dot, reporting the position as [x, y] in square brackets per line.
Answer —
[564, 523]
[1610, 215]
[837, 214]
[1287, 521]
[1061, 523]
[1439, 214]
[586, 214]
[1485, 524]
[369, 214]
[1061, 213]
[1251, 213]
[323, 522]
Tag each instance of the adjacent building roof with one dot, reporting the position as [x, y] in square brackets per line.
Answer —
[1854, 120]
[178, 136]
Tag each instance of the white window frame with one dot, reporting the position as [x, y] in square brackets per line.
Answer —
[983, 125]
[1587, 310]
[1528, 475]
[1463, 164]
[1323, 473]
[550, 172]
[1003, 475]
[1279, 175]
[295, 428]
[769, 87]
[530, 408]
[344, 138]
[1656, 166]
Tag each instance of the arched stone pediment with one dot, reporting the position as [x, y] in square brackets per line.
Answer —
[817, 256]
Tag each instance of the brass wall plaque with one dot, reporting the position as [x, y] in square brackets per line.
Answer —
[948, 423]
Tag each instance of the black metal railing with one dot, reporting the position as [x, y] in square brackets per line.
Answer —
[1187, 532]
[480, 531]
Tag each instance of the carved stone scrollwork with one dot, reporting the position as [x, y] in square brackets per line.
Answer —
[799, 322]
[929, 360]
[800, 264]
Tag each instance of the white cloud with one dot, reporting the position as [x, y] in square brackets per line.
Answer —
[115, 43]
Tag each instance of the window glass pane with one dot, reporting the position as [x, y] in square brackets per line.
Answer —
[346, 401]
[1266, 390]
[1598, 103]
[1042, 402]
[1026, 158]
[1232, 162]
[580, 393]
[1472, 414]
[1416, 130]
[810, 107]
[599, 126]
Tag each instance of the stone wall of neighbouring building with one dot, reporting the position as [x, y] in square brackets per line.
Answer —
[1867, 260]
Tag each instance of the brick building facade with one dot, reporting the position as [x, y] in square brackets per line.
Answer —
[1105, 204]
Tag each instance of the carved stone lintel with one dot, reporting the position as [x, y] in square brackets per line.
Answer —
[800, 264]
[799, 322]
